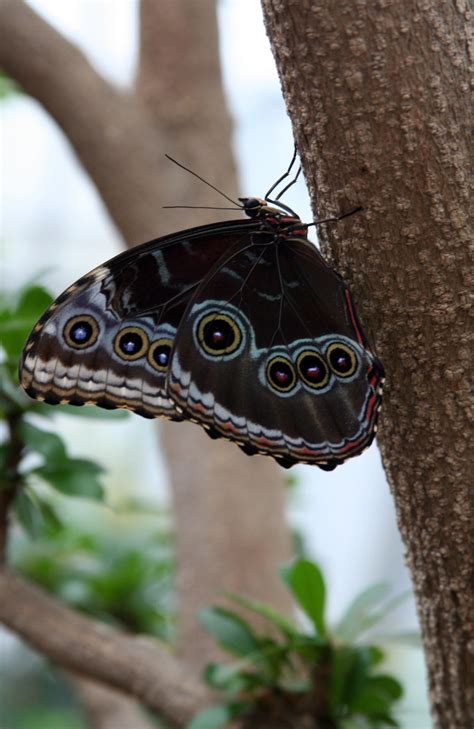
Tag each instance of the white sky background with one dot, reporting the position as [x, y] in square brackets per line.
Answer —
[50, 207]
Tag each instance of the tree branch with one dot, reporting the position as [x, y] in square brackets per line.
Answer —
[106, 127]
[136, 666]
[106, 708]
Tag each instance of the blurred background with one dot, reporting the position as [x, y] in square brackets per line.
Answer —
[55, 228]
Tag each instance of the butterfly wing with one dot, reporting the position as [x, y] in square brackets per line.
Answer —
[270, 354]
[107, 339]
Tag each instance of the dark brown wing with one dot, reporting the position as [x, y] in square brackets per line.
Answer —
[270, 354]
[107, 339]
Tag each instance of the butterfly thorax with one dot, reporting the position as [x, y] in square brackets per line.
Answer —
[278, 219]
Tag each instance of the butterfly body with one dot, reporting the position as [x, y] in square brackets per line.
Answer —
[240, 326]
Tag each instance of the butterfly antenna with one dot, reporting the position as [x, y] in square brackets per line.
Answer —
[290, 184]
[284, 175]
[191, 172]
[196, 207]
[334, 219]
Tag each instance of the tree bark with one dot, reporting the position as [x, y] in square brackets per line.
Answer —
[378, 97]
[105, 708]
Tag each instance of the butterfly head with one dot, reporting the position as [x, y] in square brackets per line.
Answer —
[258, 208]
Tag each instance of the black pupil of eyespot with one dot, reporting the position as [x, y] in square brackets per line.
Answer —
[161, 354]
[340, 360]
[219, 334]
[130, 343]
[81, 332]
[281, 374]
[312, 368]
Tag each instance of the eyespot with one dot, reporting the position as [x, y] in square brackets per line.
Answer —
[219, 334]
[342, 359]
[81, 331]
[312, 369]
[159, 354]
[281, 374]
[131, 343]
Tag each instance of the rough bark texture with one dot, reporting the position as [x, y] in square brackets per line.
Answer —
[230, 526]
[378, 97]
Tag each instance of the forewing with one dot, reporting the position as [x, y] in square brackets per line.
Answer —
[107, 339]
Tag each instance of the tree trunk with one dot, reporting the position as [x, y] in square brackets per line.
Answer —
[378, 97]
[212, 482]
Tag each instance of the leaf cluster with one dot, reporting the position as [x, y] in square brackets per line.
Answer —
[121, 576]
[318, 677]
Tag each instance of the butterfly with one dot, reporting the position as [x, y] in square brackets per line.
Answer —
[240, 326]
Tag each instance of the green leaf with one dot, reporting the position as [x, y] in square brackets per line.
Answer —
[212, 718]
[306, 582]
[33, 301]
[366, 610]
[12, 399]
[355, 616]
[223, 675]
[16, 324]
[28, 512]
[349, 669]
[411, 638]
[265, 611]
[35, 514]
[74, 477]
[49, 445]
[377, 695]
[371, 701]
[229, 630]
[308, 647]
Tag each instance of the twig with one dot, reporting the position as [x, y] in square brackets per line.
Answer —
[106, 127]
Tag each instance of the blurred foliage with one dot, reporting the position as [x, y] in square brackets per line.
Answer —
[116, 567]
[119, 571]
[120, 574]
[315, 678]
[37, 454]
[33, 695]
